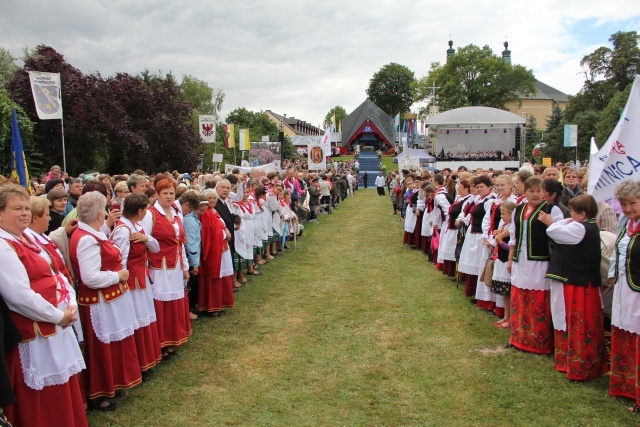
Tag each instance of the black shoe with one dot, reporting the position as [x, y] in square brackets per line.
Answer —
[508, 345]
[97, 405]
[473, 301]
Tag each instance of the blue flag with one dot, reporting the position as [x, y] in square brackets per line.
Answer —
[18, 163]
[396, 123]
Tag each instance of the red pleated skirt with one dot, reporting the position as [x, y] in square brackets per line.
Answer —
[449, 268]
[417, 232]
[174, 324]
[148, 346]
[531, 325]
[110, 367]
[487, 305]
[56, 405]
[407, 239]
[425, 243]
[470, 282]
[215, 294]
[580, 350]
[625, 368]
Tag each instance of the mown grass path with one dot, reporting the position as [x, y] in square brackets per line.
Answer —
[354, 329]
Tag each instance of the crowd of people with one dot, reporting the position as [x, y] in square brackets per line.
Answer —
[473, 156]
[103, 276]
[555, 267]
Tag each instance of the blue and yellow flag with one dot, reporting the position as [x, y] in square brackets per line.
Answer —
[19, 170]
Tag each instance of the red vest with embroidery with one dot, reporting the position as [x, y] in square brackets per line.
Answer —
[136, 261]
[58, 264]
[170, 245]
[110, 261]
[42, 282]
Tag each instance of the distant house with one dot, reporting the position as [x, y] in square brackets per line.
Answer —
[292, 126]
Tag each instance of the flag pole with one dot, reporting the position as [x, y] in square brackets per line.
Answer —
[64, 153]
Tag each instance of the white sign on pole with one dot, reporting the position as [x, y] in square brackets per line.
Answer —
[46, 91]
[207, 128]
[265, 138]
[217, 158]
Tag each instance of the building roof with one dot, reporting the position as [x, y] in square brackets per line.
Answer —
[475, 116]
[367, 110]
[295, 124]
[544, 91]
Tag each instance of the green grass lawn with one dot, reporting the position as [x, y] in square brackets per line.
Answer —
[351, 328]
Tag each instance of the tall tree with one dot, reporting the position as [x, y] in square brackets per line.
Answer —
[611, 115]
[8, 67]
[607, 71]
[79, 140]
[475, 76]
[390, 88]
[33, 158]
[340, 114]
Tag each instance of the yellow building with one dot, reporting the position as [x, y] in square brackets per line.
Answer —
[541, 103]
[292, 126]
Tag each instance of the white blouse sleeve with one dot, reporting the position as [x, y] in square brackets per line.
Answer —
[556, 214]
[121, 237]
[152, 244]
[486, 220]
[566, 233]
[512, 233]
[16, 290]
[90, 262]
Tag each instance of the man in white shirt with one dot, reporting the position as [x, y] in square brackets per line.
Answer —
[380, 182]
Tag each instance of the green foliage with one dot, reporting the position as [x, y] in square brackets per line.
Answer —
[340, 113]
[8, 67]
[555, 118]
[607, 72]
[533, 136]
[587, 122]
[610, 115]
[390, 88]
[474, 76]
[33, 157]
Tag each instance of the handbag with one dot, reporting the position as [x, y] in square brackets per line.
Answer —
[487, 273]
[435, 240]
[462, 231]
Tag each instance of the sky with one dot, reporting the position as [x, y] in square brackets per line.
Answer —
[302, 58]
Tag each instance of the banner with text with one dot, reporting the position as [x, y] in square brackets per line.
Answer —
[619, 157]
[46, 91]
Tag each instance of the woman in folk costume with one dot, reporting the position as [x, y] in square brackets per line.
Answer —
[106, 306]
[441, 203]
[625, 316]
[134, 245]
[244, 236]
[501, 279]
[215, 275]
[425, 204]
[531, 327]
[449, 237]
[519, 179]
[169, 268]
[418, 208]
[290, 219]
[473, 251]
[256, 219]
[410, 216]
[277, 225]
[263, 224]
[491, 222]
[576, 305]
[44, 366]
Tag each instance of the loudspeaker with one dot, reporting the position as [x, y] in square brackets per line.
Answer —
[518, 138]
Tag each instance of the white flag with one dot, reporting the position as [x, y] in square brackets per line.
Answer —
[207, 128]
[619, 157]
[326, 138]
[46, 91]
[243, 140]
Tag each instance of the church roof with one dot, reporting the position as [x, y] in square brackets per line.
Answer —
[544, 91]
[367, 110]
[475, 116]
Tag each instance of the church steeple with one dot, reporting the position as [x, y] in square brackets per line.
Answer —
[506, 53]
[451, 50]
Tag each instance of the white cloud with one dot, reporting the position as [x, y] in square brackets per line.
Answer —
[301, 57]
